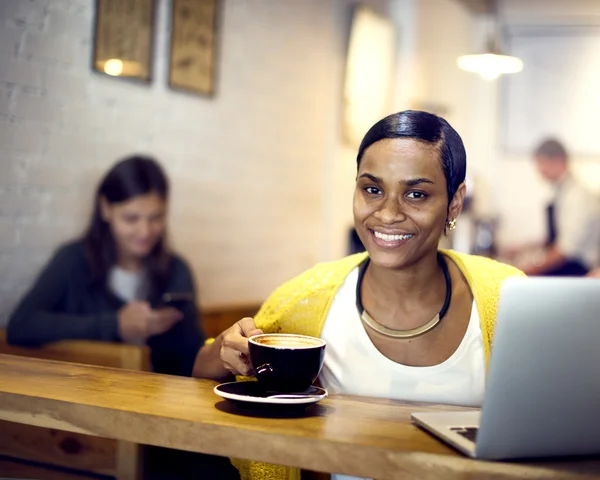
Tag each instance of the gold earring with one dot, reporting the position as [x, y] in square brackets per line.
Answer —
[451, 224]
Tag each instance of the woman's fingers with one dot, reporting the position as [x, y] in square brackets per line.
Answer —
[236, 362]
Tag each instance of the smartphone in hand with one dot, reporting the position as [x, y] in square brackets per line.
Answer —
[178, 300]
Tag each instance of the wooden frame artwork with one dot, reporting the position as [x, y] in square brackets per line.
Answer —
[193, 40]
[124, 38]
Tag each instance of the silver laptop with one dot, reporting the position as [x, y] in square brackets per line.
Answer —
[543, 387]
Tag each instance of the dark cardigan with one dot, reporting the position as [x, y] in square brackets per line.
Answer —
[65, 304]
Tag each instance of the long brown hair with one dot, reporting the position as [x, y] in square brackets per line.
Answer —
[131, 177]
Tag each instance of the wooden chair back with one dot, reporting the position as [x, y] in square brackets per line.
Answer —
[45, 449]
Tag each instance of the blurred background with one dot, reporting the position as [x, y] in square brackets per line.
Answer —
[262, 169]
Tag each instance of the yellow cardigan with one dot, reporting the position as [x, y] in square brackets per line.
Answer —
[301, 306]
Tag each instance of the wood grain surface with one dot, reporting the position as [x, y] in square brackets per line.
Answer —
[68, 449]
[357, 436]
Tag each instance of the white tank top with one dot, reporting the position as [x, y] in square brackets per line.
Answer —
[354, 366]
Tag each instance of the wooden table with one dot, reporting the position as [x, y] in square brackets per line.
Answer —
[356, 436]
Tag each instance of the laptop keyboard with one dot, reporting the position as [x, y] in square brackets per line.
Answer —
[470, 433]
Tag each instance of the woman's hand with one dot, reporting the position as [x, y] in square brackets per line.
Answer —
[228, 354]
[234, 346]
[137, 321]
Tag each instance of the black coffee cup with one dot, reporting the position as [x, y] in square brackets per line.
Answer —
[286, 362]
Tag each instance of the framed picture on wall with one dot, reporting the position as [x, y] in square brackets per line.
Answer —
[193, 41]
[124, 37]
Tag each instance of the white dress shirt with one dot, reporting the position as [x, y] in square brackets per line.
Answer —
[577, 216]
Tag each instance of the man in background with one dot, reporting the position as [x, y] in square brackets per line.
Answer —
[572, 246]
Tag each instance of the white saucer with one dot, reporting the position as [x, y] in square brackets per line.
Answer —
[252, 392]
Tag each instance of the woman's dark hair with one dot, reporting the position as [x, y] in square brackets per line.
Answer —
[428, 128]
[129, 178]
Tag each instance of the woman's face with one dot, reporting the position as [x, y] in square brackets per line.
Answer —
[137, 224]
[401, 201]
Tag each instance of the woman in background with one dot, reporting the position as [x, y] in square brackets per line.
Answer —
[109, 286]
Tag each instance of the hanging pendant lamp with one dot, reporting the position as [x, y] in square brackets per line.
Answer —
[493, 62]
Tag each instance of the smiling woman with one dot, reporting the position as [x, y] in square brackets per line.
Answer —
[404, 320]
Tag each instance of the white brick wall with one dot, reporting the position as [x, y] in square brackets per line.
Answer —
[247, 166]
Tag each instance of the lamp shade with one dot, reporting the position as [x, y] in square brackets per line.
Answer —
[490, 65]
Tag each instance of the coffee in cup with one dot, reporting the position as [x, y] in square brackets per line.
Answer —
[286, 362]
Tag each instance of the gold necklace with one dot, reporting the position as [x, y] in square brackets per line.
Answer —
[411, 332]
[392, 333]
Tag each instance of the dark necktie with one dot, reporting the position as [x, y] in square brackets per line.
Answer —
[551, 224]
